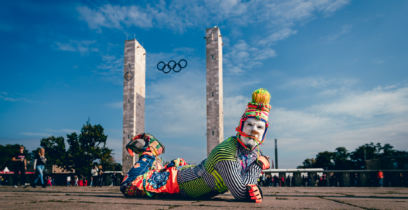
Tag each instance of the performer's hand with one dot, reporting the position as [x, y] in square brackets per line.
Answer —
[263, 162]
[255, 193]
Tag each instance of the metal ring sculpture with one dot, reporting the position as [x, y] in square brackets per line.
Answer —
[172, 65]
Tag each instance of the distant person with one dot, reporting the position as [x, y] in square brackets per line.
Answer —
[76, 180]
[49, 181]
[94, 175]
[39, 165]
[380, 177]
[81, 182]
[100, 176]
[68, 181]
[20, 167]
[269, 180]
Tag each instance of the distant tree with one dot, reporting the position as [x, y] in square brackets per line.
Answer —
[324, 160]
[372, 155]
[55, 151]
[363, 153]
[88, 147]
[401, 159]
[308, 163]
[342, 159]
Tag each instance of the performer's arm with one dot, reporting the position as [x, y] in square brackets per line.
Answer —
[252, 175]
[230, 173]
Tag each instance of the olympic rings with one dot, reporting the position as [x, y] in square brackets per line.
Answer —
[172, 65]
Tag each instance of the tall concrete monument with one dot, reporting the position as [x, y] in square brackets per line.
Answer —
[133, 97]
[215, 114]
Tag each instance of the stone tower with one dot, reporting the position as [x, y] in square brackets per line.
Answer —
[133, 97]
[215, 114]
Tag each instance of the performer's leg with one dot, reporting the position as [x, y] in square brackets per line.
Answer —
[23, 176]
[144, 163]
[41, 173]
[16, 175]
[149, 148]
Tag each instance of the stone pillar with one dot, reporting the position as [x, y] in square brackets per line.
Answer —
[215, 114]
[133, 97]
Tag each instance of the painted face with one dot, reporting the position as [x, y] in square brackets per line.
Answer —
[255, 128]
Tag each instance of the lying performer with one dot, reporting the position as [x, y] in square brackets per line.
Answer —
[234, 165]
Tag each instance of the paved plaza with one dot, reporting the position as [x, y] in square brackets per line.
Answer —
[274, 198]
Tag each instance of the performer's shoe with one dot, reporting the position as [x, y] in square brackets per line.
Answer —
[145, 144]
[123, 188]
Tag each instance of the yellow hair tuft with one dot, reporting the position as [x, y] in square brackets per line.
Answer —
[261, 96]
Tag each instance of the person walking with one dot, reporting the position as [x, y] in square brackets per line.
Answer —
[380, 177]
[94, 175]
[39, 166]
[100, 176]
[68, 181]
[76, 180]
[20, 166]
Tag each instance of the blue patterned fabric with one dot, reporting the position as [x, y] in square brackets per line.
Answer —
[145, 162]
[158, 179]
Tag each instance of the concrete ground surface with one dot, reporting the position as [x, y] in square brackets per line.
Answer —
[274, 198]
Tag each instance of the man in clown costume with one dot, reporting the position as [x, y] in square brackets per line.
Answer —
[234, 165]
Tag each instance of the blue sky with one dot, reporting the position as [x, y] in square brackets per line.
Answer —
[336, 70]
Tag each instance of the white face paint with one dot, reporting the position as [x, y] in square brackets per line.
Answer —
[253, 127]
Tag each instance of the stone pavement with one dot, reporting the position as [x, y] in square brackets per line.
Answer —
[274, 198]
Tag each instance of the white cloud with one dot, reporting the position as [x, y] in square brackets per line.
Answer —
[328, 6]
[319, 83]
[175, 103]
[115, 105]
[111, 69]
[178, 101]
[242, 56]
[380, 101]
[278, 19]
[61, 131]
[297, 121]
[5, 96]
[82, 47]
[111, 16]
[49, 132]
[116, 145]
[345, 29]
[40, 134]
[350, 120]
[277, 36]
[234, 107]
[111, 66]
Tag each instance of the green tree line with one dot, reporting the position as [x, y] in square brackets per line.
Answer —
[76, 151]
[367, 156]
